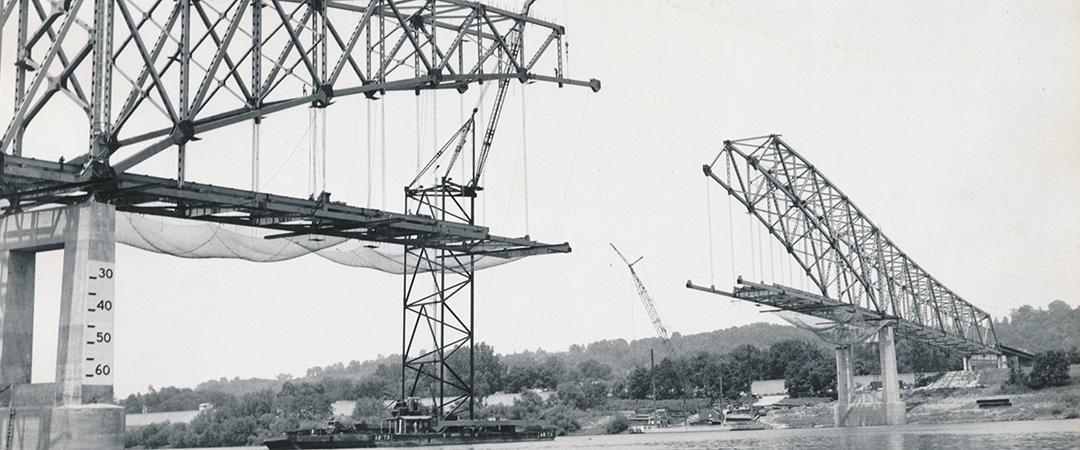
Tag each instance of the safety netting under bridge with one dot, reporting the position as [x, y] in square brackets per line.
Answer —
[195, 239]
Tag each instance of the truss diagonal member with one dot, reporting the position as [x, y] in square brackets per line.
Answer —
[411, 36]
[148, 61]
[138, 92]
[222, 55]
[18, 121]
[347, 50]
[295, 39]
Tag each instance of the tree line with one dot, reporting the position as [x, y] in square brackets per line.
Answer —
[719, 364]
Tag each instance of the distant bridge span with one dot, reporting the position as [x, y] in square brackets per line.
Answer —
[849, 260]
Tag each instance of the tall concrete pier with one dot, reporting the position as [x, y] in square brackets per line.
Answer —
[75, 412]
[882, 407]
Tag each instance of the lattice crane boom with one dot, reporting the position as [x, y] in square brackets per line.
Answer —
[673, 348]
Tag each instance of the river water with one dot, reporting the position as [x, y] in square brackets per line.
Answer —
[1040, 434]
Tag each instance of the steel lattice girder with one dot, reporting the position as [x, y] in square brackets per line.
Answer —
[175, 69]
[46, 182]
[841, 251]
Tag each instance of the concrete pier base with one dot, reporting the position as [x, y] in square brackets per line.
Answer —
[73, 412]
[87, 427]
[854, 409]
[893, 409]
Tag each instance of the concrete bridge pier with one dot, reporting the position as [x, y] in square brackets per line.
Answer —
[895, 412]
[845, 384]
[869, 408]
[75, 412]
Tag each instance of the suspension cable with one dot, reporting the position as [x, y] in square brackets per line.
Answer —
[731, 221]
[370, 144]
[382, 159]
[753, 263]
[314, 126]
[772, 257]
[525, 159]
[419, 129]
[708, 208]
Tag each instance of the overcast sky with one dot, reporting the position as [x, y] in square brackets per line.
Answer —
[952, 126]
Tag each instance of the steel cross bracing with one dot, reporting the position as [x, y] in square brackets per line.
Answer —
[848, 259]
[154, 74]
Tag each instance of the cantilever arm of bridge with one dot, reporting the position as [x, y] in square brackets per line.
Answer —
[855, 267]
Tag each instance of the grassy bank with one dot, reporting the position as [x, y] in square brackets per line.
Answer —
[933, 406]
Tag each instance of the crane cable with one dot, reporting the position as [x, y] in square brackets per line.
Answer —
[558, 220]
[525, 159]
[731, 220]
[708, 207]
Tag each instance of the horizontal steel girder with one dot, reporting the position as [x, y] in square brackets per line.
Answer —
[28, 183]
[795, 300]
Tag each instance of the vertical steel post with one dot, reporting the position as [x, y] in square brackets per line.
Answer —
[101, 89]
[185, 73]
[256, 88]
[21, 52]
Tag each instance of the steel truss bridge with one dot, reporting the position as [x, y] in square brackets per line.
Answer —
[854, 267]
[152, 75]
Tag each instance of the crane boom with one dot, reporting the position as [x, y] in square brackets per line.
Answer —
[515, 36]
[672, 347]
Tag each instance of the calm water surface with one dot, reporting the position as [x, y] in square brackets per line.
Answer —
[1042, 434]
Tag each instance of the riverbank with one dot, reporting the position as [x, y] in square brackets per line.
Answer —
[958, 405]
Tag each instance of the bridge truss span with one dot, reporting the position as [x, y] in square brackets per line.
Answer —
[154, 74]
[847, 258]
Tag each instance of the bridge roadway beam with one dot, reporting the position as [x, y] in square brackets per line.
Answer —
[75, 412]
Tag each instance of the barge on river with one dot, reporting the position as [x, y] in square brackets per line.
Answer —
[410, 428]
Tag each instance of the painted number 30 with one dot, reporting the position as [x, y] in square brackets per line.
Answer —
[105, 273]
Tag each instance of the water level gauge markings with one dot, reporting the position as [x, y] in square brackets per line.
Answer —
[98, 351]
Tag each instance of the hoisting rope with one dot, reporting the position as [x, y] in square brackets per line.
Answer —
[731, 219]
[291, 154]
[313, 129]
[753, 262]
[419, 129]
[525, 159]
[370, 144]
[708, 207]
[382, 161]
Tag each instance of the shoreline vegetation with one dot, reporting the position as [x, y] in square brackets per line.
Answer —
[593, 389]
[958, 405]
